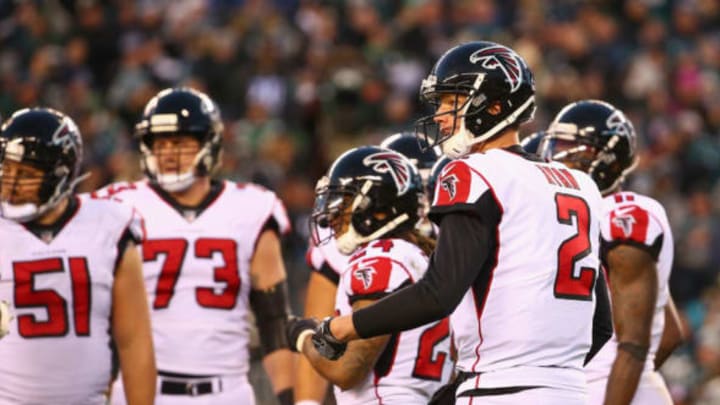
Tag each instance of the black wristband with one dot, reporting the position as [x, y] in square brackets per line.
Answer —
[285, 397]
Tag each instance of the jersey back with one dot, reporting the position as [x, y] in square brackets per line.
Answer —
[415, 363]
[639, 221]
[59, 347]
[527, 320]
[196, 266]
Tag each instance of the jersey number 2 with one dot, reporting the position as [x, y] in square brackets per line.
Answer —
[568, 285]
[27, 296]
[426, 367]
[174, 251]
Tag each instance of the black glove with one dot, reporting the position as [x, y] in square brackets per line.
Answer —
[296, 329]
[325, 343]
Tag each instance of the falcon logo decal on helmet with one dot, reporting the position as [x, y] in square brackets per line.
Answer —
[383, 162]
[495, 57]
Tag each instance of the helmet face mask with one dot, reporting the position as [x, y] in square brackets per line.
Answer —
[40, 158]
[369, 192]
[171, 116]
[20, 183]
[594, 137]
[463, 86]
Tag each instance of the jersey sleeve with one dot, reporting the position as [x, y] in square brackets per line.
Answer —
[316, 261]
[277, 218]
[372, 278]
[633, 225]
[459, 189]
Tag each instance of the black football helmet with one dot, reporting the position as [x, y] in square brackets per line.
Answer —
[180, 111]
[418, 151]
[373, 191]
[531, 143]
[487, 73]
[435, 175]
[595, 137]
[47, 140]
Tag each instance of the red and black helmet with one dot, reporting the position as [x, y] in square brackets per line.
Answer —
[47, 140]
[595, 137]
[378, 188]
[487, 73]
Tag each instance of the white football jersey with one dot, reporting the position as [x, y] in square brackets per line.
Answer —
[528, 320]
[197, 272]
[415, 363]
[60, 288]
[631, 218]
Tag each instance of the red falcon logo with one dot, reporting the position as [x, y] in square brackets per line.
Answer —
[629, 223]
[454, 184]
[449, 184]
[371, 275]
[625, 223]
[495, 57]
[396, 165]
[365, 275]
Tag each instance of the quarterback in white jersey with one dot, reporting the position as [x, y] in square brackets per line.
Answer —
[517, 260]
[637, 251]
[71, 273]
[211, 253]
[370, 201]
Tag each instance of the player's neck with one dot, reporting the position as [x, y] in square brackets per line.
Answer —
[54, 214]
[507, 138]
[194, 194]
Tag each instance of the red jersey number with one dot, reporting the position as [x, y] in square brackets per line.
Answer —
[427, 367]
[568, 285]
[175, 250]
[27, 296]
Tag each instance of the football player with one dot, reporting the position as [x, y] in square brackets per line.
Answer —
[71, 272]
[211, 255]
[517, 261]
[637, 251]
[327, 263]
[370, 202]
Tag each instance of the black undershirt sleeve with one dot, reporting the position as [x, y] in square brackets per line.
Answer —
[602, 318]
[463, 247]
[122, 245]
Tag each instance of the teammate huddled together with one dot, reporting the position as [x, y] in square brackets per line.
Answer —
[452, 265]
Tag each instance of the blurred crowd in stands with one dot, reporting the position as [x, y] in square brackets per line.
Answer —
[300, 81]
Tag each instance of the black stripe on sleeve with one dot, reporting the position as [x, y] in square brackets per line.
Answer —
[326, 271]
[653, 249]
[122, 245]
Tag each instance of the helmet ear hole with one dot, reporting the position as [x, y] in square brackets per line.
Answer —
[495, 108]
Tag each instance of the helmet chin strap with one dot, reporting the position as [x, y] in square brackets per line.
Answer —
[19, 212]
[463, 140]
[173, 182]
[350, 240]
[176, 182]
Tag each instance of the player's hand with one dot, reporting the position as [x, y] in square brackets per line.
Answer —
[325, 343]
[5, 318]
[297, 329]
